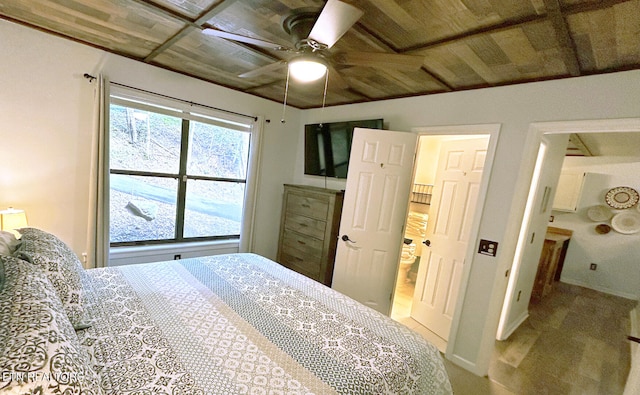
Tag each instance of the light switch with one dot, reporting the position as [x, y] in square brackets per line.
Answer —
[488, 247]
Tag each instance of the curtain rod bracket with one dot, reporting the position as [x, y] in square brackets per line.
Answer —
[89, 77]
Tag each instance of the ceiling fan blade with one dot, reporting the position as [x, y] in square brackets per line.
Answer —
[334, 21]
[336, 79]
[264, 69]
[379, 59]
[243, 39]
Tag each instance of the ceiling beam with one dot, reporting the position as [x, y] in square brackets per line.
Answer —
[376, 40]
[476, 32]
[589, 6]
[567, 46]
[510, 24]
[165, 45]
[213, 11]
[582, 147]
[190, 26]
[165, 11]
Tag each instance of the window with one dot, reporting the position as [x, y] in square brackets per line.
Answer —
[175, 175]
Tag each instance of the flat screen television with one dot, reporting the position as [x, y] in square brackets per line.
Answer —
[328, 145]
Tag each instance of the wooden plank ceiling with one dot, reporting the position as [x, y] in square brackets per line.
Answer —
[465, 44]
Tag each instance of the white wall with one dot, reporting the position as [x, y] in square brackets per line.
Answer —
[46, 127]
[516, 107]
[427, 158]
[617, 255]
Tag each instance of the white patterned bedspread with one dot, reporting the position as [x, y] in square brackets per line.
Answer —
[242, 324]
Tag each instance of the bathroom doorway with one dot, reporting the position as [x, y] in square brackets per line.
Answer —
[452, 205]
[414, 239]
[415, 232]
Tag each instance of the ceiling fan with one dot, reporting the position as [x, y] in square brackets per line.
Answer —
[313, 33]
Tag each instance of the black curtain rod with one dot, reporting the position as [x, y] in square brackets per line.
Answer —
[91, 78]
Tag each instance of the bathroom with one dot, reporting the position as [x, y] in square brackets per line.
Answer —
[416, 224]
[423, 195]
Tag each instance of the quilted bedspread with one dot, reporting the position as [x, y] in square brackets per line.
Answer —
[242, 324]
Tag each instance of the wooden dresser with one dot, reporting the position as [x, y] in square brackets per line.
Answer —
[309, 230]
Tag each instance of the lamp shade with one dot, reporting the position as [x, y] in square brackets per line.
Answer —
[11, 219]
[307, 68]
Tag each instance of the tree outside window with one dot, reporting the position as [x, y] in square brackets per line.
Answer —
[174, 176]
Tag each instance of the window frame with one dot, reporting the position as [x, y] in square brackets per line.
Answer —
[189, 112]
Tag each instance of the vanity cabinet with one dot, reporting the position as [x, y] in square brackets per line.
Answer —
[309, 230]
[554, 249]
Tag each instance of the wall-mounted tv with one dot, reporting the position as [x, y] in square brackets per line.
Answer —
[328, 145]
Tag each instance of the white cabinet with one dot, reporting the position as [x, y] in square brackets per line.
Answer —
[569, 190]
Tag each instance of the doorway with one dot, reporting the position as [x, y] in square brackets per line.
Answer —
[454, 164]
[582, 295]
[376, 271]
[594, 247]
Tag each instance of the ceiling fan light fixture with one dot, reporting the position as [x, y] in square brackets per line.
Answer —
[307, 68]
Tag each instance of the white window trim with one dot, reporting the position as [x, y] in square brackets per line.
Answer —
[176, 107]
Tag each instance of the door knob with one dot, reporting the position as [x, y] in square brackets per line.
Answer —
[346, 238]
[427, 243]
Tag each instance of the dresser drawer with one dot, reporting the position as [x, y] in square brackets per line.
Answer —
[309, 206]
[305, 225]
[299, 262]
[305, 247]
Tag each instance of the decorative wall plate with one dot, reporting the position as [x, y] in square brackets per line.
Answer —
[626, 222]
[599, 213]
[621, 197]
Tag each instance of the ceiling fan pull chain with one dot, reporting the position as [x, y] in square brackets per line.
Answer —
[284, 103]
[324, 94]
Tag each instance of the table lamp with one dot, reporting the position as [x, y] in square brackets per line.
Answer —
[12, 219]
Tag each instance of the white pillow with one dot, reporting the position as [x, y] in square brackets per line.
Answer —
[8, 243]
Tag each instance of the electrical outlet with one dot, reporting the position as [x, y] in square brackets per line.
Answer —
[593, 266]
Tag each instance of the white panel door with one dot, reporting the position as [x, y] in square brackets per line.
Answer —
[374, 209]
[455, 193]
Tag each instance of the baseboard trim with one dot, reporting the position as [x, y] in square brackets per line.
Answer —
[466, 364]
[512, 327]
[600, 289]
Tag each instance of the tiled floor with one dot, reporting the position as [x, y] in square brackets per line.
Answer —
[574, 342]
[401, 312]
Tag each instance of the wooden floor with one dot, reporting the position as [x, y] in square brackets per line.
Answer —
[574, 342]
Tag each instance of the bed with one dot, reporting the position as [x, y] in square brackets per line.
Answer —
[225, 324]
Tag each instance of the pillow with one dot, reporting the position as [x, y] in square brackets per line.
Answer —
[39, 350]
[62, 266]
[1, 274]
[8, 242]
